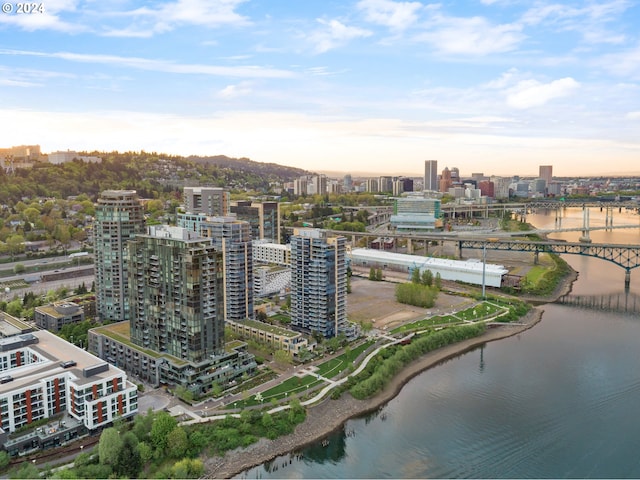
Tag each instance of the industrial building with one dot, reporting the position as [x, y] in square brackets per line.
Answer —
[468, 271]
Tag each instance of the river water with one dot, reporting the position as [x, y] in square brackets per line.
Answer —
[557, 401]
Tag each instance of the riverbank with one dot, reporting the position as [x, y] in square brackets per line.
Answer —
[330, 414]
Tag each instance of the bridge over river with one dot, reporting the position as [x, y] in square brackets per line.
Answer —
[625, 256]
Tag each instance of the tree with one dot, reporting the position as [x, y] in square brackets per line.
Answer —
[427, 278]
[26, 470]
[4, 459]
[438, 281]
[128, 461]
[19, 268]
[372, 274]
[177, 442]
[162, 425]
[109, 446]
[415, 275]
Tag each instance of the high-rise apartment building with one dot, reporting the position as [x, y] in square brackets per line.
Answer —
[264, 218]
[372, 185]
[232, 237]
[431, 175]
[214, 201]
[119, 218]
[318, 282]
[176, 293]
[385, 184]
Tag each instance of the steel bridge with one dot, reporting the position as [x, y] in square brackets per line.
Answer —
[625, 256]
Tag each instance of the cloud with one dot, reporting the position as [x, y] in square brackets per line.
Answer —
[235, 91]
[471, 36]
[395, 15]
[46, 19]
[149, 21]
[590, 20]
[531, 93]
[633, 115]
[624, 63]
[334, 34]
[159, 65]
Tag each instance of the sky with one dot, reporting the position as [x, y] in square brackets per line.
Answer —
[493, 86]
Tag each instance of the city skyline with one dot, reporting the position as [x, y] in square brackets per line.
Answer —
[370, 85]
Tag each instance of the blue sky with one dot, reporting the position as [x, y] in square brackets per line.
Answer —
[493, 86]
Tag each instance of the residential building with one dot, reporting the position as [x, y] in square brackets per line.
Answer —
[431, 175]
[176, 293]
[486, 188]
[278, 337]
[318, 282]
[501, 186]
[55, 316]
[232, 237]
[385, 184]
[270, 279]
[371, 185]
[45, 377]
[119, 218]
[274, 253]
[212, 201]
[264, 218]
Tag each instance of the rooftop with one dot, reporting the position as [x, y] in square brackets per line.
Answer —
[51, 352]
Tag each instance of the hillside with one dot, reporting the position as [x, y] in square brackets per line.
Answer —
[148, 173]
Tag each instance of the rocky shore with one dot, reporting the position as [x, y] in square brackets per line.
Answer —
[330, 414]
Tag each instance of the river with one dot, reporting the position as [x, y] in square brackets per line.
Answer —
[557, 401]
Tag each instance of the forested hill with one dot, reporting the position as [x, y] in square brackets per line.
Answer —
[267, 170]
[148, 173]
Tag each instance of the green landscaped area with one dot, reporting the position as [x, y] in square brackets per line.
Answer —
[477, 312]
[283, 332]
[121, 333]
[294, 385]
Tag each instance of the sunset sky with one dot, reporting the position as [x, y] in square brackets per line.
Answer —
[492, 86]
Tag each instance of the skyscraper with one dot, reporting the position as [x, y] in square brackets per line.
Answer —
[232, 237]
[119, 217]
[546, 173]
[318, 282]
[176, 293]
[431, 175]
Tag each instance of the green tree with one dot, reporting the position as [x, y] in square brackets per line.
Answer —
[4, 459]
[438, 281]
[177, 442]
[415, 275]
[128, 461]
[26, 470]
[109, 446]
[162, 425]
[19, 268]
[372, 274]
[427, 278]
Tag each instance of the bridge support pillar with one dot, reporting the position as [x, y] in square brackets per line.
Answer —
[536, 257]
[459, 250]
[627, 279]
[409, 246]
[585, 226]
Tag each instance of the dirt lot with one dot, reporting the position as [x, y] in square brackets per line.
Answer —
[375, 302]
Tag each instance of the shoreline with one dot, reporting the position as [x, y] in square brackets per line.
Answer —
[330, 415]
